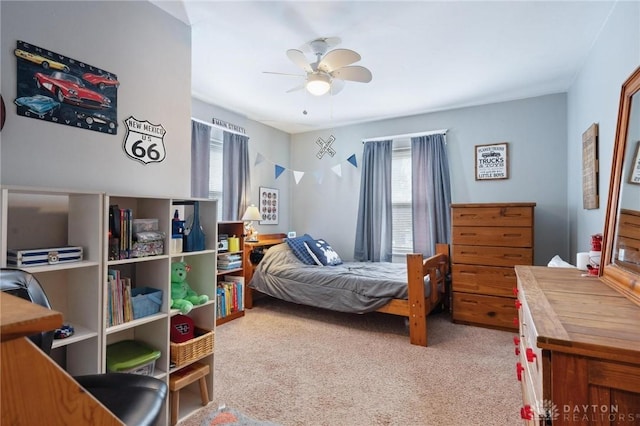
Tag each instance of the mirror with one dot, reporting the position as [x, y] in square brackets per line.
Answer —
[620, 266]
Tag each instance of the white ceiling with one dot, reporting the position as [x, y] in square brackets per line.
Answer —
[425, 56]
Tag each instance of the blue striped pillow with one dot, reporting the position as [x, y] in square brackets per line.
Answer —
[300, 250]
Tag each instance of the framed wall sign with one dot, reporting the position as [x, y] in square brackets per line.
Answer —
[590, 199]
[492, 161]
[634, 177]
[269, 205]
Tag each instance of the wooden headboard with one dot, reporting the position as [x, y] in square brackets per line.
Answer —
[629, 238]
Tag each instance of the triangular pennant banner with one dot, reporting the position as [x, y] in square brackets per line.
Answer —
[353, 161]
[259, 159]
[279, 170]
[297, 176]
[319, 175]
[337, 169]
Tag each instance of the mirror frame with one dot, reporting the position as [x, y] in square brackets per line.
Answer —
[620, 279]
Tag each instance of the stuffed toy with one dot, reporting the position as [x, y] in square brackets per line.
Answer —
[182, 296]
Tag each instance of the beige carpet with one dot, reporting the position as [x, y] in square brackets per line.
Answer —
[295, 365]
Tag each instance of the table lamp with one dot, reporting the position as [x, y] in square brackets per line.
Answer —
[252, 213]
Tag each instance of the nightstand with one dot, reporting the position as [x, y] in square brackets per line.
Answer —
[265, 241]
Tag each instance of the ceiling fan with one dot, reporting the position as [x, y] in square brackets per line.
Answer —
[330, 69]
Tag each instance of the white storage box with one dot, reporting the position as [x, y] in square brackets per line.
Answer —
[44, 256]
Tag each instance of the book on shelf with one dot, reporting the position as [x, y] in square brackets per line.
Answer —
[230, 265]
[119, 305]
[229, 257]
[230, 296]
[120, 232]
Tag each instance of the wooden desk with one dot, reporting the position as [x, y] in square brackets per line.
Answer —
[19, 318]
[34, 389]
[266, 241]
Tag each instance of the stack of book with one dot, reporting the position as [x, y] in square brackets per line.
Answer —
[119, 306]
[230, 296]
[229, 261]
[120, 232]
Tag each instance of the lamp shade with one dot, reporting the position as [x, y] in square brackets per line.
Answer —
[318, 84]
[252, 213]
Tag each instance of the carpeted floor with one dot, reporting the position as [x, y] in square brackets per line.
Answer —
[294, 365]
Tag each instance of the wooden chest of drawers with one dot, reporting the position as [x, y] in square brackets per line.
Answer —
[578, 350]
[488, 240]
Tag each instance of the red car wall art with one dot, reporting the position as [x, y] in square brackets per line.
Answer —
[56, 88]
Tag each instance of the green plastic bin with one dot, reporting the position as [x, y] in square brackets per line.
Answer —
[130, 356]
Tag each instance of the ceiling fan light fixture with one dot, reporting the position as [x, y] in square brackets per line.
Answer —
[318, 84]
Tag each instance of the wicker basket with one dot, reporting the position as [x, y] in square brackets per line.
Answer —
[194, 349]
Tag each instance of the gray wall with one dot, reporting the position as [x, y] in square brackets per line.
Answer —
[534, 128]
[594, 98]
[150, 52]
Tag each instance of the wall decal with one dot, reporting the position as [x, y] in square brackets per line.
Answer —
[59, 89]
[144, 141]
[228, 126]
[325, 147]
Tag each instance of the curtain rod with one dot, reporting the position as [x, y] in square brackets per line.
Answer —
[407, 135]
[217, 127]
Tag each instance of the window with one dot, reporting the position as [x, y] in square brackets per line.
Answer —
[402, 224]
[215, 167]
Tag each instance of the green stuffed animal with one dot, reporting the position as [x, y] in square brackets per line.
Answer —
[182, 296]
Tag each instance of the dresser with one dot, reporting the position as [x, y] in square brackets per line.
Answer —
[578, 349]
[488, 240]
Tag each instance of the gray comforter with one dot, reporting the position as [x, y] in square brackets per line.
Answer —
[356, 287]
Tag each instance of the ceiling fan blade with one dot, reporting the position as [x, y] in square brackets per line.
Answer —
[338, 58]
[336, 87]
[298, 58]
[295, 89]
[283, 73]
[353, 73]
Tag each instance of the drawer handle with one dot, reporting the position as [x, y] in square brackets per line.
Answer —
[512, 235]
[468, 234]
[531, 356]
[526, 413]
[519, 370]
[513, 255]
[518, 304]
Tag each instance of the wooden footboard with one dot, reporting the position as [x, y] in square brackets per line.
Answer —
[418, 306]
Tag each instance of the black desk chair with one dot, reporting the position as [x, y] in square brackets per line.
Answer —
[134, 399]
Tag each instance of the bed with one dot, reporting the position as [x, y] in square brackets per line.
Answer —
[411, 290]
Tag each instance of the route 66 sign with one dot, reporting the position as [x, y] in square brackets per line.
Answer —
[144, 141]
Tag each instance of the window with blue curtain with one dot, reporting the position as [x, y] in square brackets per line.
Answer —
[402, 224]
[215, 167]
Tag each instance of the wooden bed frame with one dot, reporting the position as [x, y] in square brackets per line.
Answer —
[418, 307]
